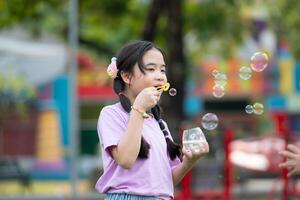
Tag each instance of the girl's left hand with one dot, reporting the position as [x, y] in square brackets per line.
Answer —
[191, 156]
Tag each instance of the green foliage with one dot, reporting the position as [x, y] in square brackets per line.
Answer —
[36, 15]
[286, 20]
[106, 25]
[218, 21]
[110, 24]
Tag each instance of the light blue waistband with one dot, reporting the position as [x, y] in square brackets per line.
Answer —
[123, 196]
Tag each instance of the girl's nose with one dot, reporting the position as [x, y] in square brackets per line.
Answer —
[160, 78]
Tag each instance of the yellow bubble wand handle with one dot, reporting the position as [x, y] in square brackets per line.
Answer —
[164, 87]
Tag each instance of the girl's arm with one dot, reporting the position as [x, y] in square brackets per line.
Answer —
[189, 160]
[127, 150]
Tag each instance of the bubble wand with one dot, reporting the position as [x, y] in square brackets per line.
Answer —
[164, 87]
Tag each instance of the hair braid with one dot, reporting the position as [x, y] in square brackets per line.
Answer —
[172, 147]
[144, 148]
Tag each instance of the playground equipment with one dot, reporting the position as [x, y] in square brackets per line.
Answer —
[281, 137]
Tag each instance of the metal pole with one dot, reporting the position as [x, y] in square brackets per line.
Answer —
[73, 97]
[229, 135]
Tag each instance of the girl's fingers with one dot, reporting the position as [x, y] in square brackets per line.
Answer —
[187, 152]
[197, 152]
[293, 148]
[287, 164]
[155, 92]
[203, 149]
[293, 171]
[206, 147]
[288, 154]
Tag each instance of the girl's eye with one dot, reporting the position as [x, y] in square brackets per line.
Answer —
[150, 69]
[163, 70]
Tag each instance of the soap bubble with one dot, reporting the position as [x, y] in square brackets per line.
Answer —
[259, 61]
[172, 92]
[258, 108]
[221, 79]
[218, 91]
[249, 109]
[215, 72]
[210, 121]
[245, 72]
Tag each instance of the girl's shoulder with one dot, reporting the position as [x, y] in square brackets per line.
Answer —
[113, 109]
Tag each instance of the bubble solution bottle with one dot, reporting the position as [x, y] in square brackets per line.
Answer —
[193, 139]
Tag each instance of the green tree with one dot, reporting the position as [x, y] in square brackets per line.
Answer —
[207, 20]
[286, 21]
[106, 25]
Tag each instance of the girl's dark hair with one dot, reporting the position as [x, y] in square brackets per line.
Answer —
[127, 57]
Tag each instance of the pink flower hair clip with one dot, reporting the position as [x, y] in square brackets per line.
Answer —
[112, 69]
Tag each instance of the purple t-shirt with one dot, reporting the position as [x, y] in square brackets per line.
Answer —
[148, 177]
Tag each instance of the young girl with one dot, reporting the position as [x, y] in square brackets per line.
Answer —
[140, 159]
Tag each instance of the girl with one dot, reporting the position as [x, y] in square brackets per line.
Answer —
[140, 159]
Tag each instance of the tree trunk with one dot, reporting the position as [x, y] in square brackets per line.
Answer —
[150, 27]
[176, 65]
[172, 105]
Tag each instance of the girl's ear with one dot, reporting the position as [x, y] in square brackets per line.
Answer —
[126, 76]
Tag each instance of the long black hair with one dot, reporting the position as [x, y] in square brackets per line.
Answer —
[127, 57]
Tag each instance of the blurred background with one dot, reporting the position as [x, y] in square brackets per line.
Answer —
[236, 59]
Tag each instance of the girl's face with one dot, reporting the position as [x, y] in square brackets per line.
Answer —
[155, 72]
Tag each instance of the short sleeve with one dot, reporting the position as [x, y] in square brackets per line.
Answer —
[111, 126]
[173, 163]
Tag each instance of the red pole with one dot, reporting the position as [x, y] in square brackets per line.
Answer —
[281, 119]
[186, 191]
[228, 166]
[186, 186]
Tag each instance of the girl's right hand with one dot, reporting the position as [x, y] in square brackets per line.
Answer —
[147, 98]
[191, 156]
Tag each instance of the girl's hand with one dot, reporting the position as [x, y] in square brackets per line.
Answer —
[147, 98]
[190, 157]
[293, 159]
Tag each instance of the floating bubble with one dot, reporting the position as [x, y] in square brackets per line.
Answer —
[218, 91]
[193, 139]
[215, 72]
[249, 109]
[172, 92]
[259, 61]
[258, 108]
[210, 121]
[245, 72]
[221, 79]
